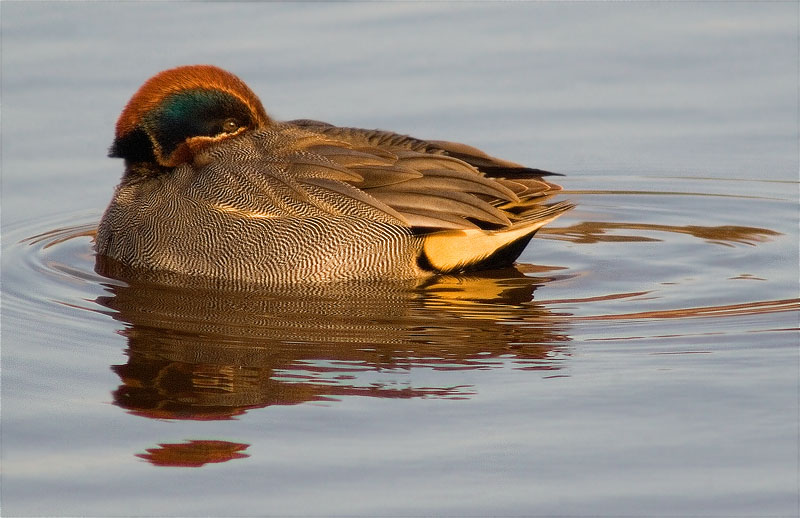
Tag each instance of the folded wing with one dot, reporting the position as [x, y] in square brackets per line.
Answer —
[432, 184]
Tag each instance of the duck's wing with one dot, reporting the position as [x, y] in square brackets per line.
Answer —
[482, 161]
[486, 163]
[428, 186]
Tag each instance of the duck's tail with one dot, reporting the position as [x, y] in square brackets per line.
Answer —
[471, 249]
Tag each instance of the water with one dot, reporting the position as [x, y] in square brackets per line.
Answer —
[642, 359]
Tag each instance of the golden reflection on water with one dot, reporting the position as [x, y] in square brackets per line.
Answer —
[194, 454]
[727, 310]
[210, 353]
[588, 232]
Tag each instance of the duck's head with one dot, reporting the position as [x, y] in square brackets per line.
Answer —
[181, 111]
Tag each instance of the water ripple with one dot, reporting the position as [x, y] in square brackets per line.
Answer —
[199, 350]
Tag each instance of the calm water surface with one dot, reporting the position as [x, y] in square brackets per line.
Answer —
[641, 359]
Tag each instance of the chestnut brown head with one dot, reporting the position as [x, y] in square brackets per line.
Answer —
[181, 111]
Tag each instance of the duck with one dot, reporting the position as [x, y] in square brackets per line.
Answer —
[213, 187]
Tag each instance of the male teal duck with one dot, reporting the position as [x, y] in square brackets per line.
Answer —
[213, 187]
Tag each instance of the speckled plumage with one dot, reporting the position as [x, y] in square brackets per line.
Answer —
[214, 188]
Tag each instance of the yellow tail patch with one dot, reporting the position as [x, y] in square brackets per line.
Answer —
[452, 250]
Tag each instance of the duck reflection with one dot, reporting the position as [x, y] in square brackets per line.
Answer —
[212, 352]
[194, 454]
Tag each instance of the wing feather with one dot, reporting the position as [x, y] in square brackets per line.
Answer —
[352, 194]
[445, 202]
[439, 220]
[383, 175]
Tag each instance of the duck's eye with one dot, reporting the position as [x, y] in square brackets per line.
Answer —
[230, 125]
